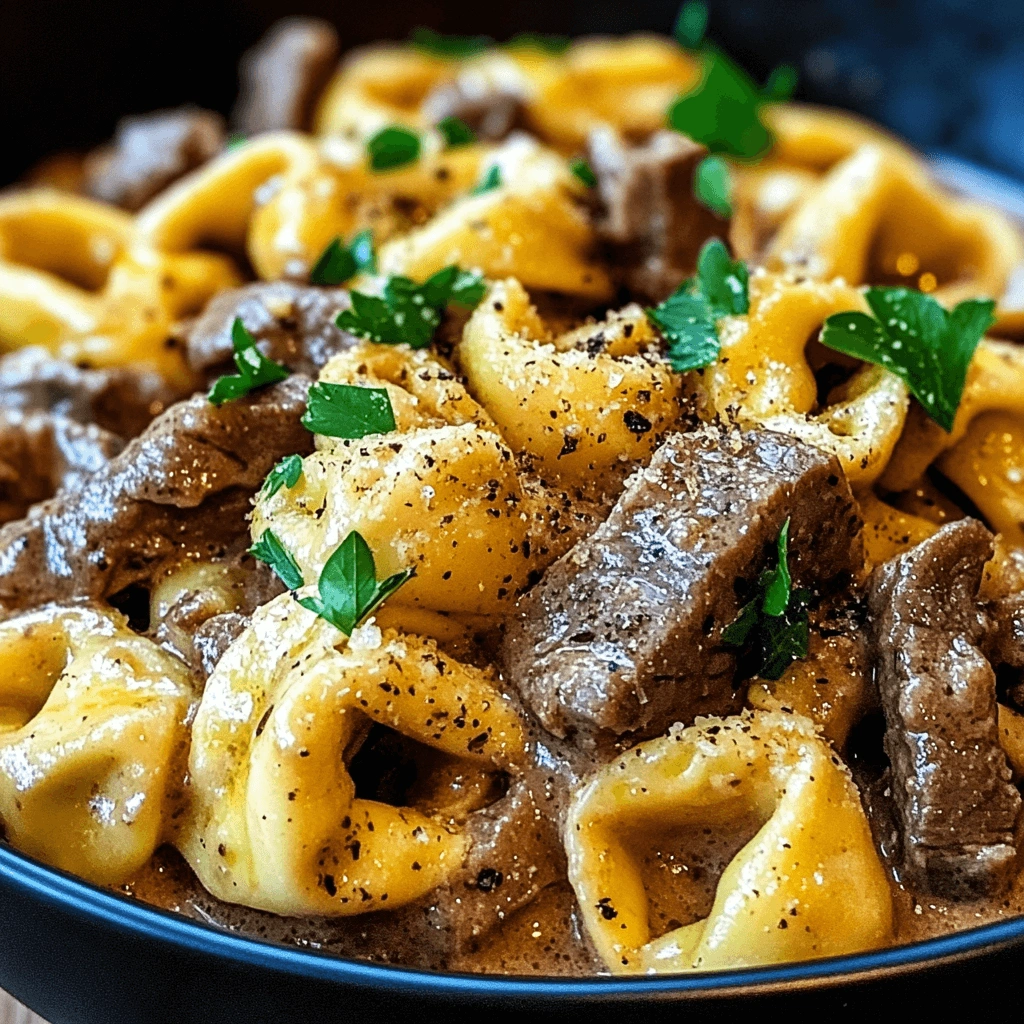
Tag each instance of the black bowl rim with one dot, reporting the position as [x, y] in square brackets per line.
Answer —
[68, 892]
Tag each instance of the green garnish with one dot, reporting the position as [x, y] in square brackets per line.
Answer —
[438, 44]
[491, 180]
[456, 132]
[285, 474]
[235, 141]
[583, 171]
[269, 549]
[689, 317]
[712, 185]
[338, 263]
[410, 313]
[913, 336]
[347, 410]
[254, 369]
[349, 589]
[393, 147]
[553, 44]
[691, 24]
[772, 627]
[781, 84]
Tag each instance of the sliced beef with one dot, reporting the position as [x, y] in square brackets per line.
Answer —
[623, 633]
[490, 102]
[646, 210]
[149, 152]
[40, 453]
[282, 76]
[291, 323]
[180, 490]
[119, 400]
[955, 805]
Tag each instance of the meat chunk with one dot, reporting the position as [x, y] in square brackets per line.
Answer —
[293, 324]
[149, 151]
[179, 491]
[119, 400]
[955, 805]
[41, 453]
[646, 210]
[623, 634]
[490, 98]
[282, 76]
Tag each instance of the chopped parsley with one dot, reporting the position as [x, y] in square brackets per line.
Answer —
[410, 313]
[583, 171]
[347, 410]
[490, 181]
[541, 42]
[285, 474]
[255, 370]
[689, 317]
[712, 185]
[456, 132]
[235, 141]
[338, 263]
[914, 337]
[349, 588]
[269, 549]
[781, 84]
[691, 24]
[772, 628]
[393, 147]
[453, 47]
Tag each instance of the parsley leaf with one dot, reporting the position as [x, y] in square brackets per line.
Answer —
[235, 141]
[691, 24]
[772, 627]
[913, 336]
[712, 185]
[410, 313]
[491, 180]
[438, 44]
[338, 263]
[540, 41]
[781, 84]
[254, 369]
[285, 474]
[393, 147]
[455, 131]
[689, 317]
[269, 549]
[349, 589]
[347, 410]
[583, 171]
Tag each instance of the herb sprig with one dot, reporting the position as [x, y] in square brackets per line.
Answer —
[914, 337]
[269, 549]
[688, 318]
[712, 185]
[339, 263]
[452, 47]
[455, 131]
[285, 474]
[348, 411]
[393, 147]
[255, 370]
[490, 181]
[583, 171]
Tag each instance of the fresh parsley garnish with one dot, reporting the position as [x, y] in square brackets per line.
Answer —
[772, 628]
[781, 84]
[254, 369]
[456, 132]
[349, 589]
[393, 147]
[347, 410]
[914, 337]
[269, 549]
[712, 185]
[691, 24]
[491, 180]
[338, 263]
[540, 41]
[285, 474]
[583, 171]
[235, 141]
[689, 317]
[410, 313]
[456, 47]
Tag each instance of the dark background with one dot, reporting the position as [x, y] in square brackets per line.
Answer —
[947, 74]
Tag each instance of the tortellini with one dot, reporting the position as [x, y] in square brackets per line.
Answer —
[809, 884]
[93, 741]
[274, 820]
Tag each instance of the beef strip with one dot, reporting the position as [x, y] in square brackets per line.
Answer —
[491, 104]
[955, 805]
[149, 152]
[646, 210]
[119, 400]
[293, 324]
[180, 490]
[623, 633]
[41, 453]
[282, 76]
